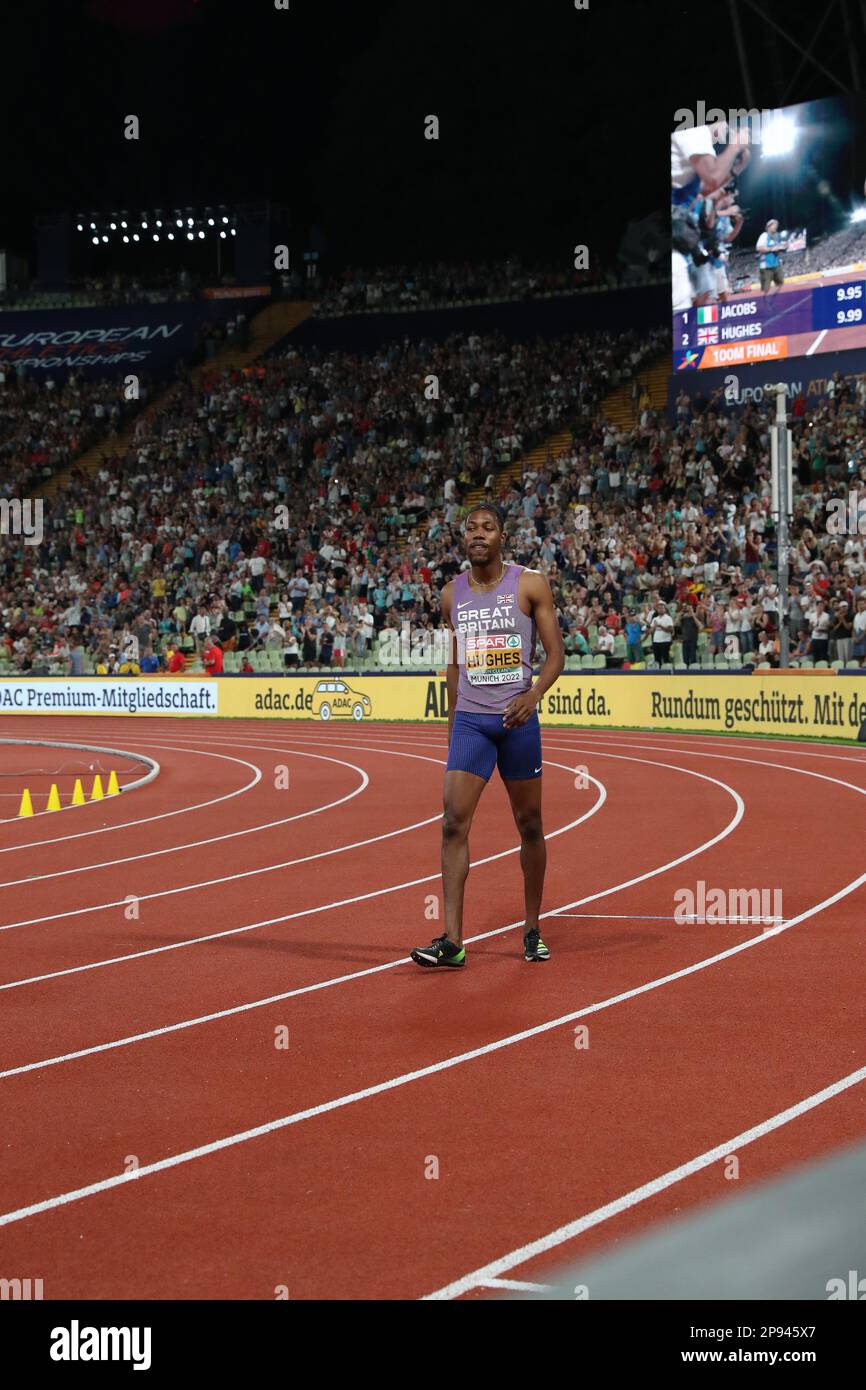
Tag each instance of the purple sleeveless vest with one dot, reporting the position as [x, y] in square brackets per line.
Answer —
[495, 644]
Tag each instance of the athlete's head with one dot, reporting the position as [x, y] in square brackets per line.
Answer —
[484, 529]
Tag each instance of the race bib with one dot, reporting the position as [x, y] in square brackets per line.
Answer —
[493, 658]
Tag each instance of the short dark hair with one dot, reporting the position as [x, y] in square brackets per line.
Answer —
[487, 507]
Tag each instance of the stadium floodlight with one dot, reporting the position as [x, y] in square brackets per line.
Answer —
[225, 219]
[190, 236]
[210, 221]
[858, 215]
[171, 236]
[180, 222]
[105, 238]
[778, 136]
[135, 236]
[234, 231]
[123, 225]
[222, 234]
[156, 236]
[201, 234]
[126, 238]
[93, 226]
[113, 226]
[79, 227]
[144, 226]
[158, 223]
[189, 221]
[95, 240]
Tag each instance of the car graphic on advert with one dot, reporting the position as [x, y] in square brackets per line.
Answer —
[335, 699]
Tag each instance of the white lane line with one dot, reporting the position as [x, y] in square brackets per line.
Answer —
[496, 1268]
[146, 820]
[519, 1285]
[413, 883]
[813, 347]
[690, 917]
[213, 839]
[435, 1068]
[355, 975]
[309, 912]
[268, 868]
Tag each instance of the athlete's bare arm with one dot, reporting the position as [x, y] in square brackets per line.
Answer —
[535, 590]
[452, 673]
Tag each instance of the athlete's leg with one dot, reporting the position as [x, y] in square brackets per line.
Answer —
[525, 796]
[462, 790]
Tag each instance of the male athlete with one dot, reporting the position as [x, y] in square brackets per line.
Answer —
[494, 609]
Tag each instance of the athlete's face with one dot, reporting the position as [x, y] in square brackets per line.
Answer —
[483, 538]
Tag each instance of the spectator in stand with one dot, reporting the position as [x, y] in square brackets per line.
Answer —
[859, 631]
[841, 628]
[820, 631]
[661, 627]
[212, 657]
[149, 662]
[689, 632]
[634, 632]
[176, 662]
[200, 628]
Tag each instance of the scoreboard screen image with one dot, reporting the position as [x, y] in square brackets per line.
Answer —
[768, 233]
[792, 323]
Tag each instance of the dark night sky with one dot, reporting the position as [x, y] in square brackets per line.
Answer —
[554, 122]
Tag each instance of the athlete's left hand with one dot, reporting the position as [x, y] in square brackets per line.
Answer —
[519, 710]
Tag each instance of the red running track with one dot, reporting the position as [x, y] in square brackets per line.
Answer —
[222, 1077]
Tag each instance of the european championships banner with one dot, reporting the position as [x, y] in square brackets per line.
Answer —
[817, 705]
[110, 342]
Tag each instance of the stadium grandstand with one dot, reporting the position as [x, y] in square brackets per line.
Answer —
[658, 536]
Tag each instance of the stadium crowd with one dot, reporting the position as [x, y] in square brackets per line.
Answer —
[436, 286]
[298, 507]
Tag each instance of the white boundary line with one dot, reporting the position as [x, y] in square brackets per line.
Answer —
[151, 763]
[340, 1102]
[309, 912]
[164, 815]
[268, 868]
[30, 879]
[428, 878]
[488, 1276]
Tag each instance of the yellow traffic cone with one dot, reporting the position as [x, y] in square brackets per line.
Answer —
[53, 798]
[78, 797]
[97, 793]
[113, 787]
[26, 807]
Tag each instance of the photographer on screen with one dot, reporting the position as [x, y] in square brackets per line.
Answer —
[768, 246]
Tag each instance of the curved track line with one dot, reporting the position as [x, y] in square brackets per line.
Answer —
[305, 912]
[152, 765]
[146, 820]
[247, 873]
[649, 1189]
[339, 1102]
[214, 839]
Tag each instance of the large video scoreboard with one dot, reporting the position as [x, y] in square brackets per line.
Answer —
[788, 323]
